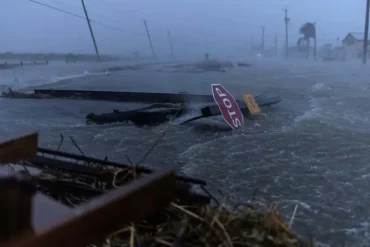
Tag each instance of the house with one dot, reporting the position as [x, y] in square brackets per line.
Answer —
[353, 45]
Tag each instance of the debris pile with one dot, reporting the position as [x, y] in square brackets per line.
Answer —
[189, 218]
[193, 225]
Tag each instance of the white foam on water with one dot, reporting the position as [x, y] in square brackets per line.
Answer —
[318, 87]
[300, 203]
[29, 76]
[314, 112]
[191, 153]
[86, 73]
[351, 231]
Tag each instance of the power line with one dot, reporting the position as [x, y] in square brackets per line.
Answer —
[120, 10]
[84, 18]
[91, 11]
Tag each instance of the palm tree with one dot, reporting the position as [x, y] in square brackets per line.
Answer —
[308, 30]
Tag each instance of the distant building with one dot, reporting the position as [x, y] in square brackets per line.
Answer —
[329, 52]
[353, 45]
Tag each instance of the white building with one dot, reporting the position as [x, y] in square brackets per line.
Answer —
[353, 45]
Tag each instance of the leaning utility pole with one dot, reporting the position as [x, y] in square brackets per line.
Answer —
[91, 31]
[276, 44]
[286, 20]
[170, 41]
[364, 53]
[315, 39]
[263, 40]
[150, 40]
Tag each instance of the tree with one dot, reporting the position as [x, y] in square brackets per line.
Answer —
[308, 30]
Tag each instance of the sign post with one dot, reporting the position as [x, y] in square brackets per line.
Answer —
[228, 106]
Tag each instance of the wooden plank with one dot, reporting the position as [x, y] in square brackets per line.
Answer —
[93, 221]
[126, 96]
[18, 149]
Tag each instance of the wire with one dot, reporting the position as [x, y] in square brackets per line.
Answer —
[118, 9]
[63, 11]
[81, 17]
[79, 7]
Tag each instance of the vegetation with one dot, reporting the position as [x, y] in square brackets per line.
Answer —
[308, 30]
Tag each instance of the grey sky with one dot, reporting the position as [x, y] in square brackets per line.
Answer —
[196, 25]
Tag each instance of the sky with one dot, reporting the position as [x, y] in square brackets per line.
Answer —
[196, 26]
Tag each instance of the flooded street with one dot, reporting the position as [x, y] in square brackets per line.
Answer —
[313, 148]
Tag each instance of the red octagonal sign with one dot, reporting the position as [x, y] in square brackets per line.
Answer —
[228, 106]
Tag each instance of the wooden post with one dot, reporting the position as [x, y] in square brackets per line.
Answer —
[171, 46]
[286, 20]
[276, 45]
[315, 48]
[150, 40]
[91, 31]
[364, 53]
[18, 149]
[252, 44]
[263, 40]
[15, 207]
[96, 219]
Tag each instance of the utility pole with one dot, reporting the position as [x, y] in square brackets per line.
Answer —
[364, 53]
[286, 20]
[263, 40]
[315, 38]
[91, 31]
[150, 40]
[170, 41]
[276, 44]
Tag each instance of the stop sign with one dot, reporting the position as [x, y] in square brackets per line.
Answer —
[228, 106]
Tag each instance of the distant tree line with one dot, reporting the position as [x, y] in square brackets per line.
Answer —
[58, 56]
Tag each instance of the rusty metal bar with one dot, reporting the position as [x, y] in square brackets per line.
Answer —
[93, 221]
[138, 169]
[19, 149]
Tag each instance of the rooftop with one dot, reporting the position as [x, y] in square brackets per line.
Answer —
[356, 35]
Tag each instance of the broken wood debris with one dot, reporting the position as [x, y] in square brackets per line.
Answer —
[101, 216]
[125, 96]
[91, 160]
[20, 148]
[126, 208]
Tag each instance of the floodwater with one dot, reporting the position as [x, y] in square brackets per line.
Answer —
[313, 148]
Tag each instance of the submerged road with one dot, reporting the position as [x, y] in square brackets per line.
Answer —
[313, 148]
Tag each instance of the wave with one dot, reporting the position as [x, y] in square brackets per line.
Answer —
[24, 77]
[313, 112]
[85, 74]
[318, 87]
